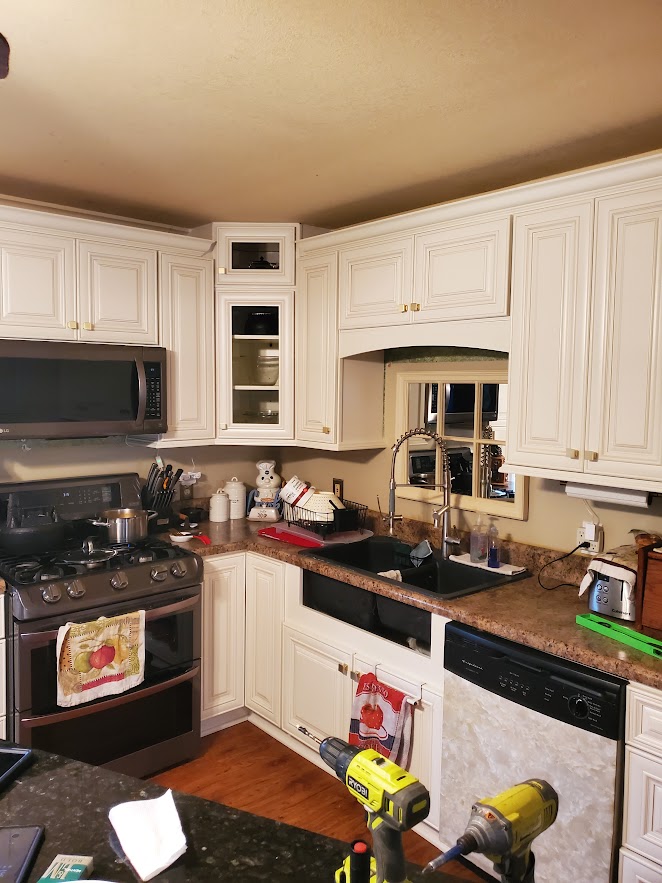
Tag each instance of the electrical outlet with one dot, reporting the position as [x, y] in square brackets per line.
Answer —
[595, 545]
[338, 487]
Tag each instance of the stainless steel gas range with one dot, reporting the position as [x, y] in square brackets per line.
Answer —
[153, 725]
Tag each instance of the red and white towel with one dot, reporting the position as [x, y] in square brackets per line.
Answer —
[382, 719]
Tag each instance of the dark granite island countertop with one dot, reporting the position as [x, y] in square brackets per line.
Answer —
[71, 800]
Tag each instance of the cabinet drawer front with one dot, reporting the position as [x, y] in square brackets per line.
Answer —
[642, 815]
[375, 282]
[462, 272]
[644, 718]
[635, 869]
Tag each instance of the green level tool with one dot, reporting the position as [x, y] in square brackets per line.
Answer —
[620, 633]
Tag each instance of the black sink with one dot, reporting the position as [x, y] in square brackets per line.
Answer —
[378, 614]
[435, 576]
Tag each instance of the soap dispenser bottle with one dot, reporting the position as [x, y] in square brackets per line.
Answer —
[493, 547]
[478, 542]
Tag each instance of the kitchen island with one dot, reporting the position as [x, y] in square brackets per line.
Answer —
[71, 800]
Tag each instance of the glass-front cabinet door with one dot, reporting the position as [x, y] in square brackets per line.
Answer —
[255, 370]
[255, 254]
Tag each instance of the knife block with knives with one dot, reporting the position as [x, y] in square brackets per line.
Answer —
[157, 494]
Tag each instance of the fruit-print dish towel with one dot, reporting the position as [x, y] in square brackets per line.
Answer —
[100, 658]
[382, 719]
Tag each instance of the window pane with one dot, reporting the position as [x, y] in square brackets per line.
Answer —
[459, 403]
[494, 485]
[460, 458]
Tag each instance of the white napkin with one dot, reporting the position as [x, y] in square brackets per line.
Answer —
[150, 833]
[509, 569]
[391, 574]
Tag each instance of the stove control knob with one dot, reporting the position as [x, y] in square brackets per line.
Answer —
[76, 589]
[179, 569]
[119, 580]
[51, 594]
[159, 573]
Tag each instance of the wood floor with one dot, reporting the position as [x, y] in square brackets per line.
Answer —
[245, 768]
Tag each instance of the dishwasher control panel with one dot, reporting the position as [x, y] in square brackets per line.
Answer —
[566, 691]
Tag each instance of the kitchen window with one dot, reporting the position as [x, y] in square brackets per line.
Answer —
[467, 405]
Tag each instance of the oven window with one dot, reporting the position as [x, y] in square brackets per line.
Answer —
[170, 647]
[104, 736]
[68, 390]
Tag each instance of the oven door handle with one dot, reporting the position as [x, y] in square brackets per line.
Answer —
[31, 639]
[121, 699]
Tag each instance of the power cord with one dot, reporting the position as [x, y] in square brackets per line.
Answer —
[584, 545]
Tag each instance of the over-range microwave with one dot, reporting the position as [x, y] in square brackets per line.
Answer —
[52, 389]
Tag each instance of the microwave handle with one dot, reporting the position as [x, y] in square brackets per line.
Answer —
[120, 699]
[31, 639]
[142, 391]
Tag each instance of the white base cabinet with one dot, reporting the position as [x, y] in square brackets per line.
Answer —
[223, 614]
[265, 582]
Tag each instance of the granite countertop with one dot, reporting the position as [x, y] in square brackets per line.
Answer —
[71, 800]
[520, 611]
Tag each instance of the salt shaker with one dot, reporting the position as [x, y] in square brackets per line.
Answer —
[219, 506]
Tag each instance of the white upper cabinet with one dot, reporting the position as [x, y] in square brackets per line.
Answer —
[339, 401]
[187, 332]
[375, 282]
[117, 293]
[37, 285]
[548, 361]
[253, 254]
[462, 271]
[625, 408]
[585, 368]
[449, 272]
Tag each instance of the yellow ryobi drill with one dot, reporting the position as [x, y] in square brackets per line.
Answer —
[394, 800]
[503, 828]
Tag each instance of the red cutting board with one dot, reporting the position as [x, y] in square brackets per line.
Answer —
[290, 533]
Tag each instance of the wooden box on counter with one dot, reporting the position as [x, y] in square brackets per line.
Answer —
[649, 591]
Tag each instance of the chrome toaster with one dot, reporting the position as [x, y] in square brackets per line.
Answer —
[610, 596]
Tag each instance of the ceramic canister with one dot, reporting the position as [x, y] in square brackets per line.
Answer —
[236, 491]
[219, 506]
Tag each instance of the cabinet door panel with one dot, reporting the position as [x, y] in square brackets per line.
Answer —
[642, 816]
[375, 281]
[547, 370]
[462, 271]
[635, 869]
[625, 407]
[37, 286]
[316, 693]
[317, 349]
[117, 293]
[264, 615]
[187, 332]
[223, 635]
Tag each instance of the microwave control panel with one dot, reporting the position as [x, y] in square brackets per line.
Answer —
[153, 379]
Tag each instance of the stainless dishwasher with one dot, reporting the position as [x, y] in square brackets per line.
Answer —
[512, 713]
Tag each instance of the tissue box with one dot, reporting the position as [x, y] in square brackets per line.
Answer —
[68, 867]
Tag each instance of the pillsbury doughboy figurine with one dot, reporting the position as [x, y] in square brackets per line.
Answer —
[264, 502]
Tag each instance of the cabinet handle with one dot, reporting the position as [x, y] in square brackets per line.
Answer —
[592, 456]
[222, 270]
[573, 453]
[404, 308]
[88, 326]
[326, 430]
[343, 668]
[73, 325]
[414, 307]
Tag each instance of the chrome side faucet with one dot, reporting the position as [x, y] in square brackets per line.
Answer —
[440, 516]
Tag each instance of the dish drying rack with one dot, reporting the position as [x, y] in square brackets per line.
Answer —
[352, 517]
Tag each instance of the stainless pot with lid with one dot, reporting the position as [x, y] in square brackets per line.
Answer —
[124, 525]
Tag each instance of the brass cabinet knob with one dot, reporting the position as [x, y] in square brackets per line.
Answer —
[222, 270]
[414, 307]
[573, 453]
[592, 456]
[404, 308]
[326, 430]
[343, 668]
[73, 325]
[88, 326]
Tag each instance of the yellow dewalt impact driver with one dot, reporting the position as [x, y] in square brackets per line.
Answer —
[503, 828]
[394, 800]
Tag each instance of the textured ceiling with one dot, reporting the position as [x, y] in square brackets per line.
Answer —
[322, 111]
